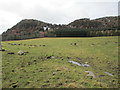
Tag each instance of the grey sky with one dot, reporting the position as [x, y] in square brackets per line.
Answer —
[54, 11]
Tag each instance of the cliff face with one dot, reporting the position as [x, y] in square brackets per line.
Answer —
[29, 28]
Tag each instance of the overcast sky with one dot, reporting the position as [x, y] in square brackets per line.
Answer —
[54, 11]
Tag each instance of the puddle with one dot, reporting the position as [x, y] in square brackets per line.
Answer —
[79, 64]
[108, 73]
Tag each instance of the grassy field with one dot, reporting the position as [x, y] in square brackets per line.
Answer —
[46, 65]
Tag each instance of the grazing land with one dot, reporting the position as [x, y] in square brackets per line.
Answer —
[47, 63]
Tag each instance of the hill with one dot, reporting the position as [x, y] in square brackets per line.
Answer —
[29, 28]
[105, 22]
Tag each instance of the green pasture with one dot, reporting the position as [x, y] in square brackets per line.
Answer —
[37, 69]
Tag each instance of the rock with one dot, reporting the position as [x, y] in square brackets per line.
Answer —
[60, 84]
[40, 70]
[13, 44]
[21, 52]
[26, 52]
[44, 45]
[2, 50]
[13, 70]
[68, 57]
[14, 86]
[47, 81]
[92, 44]
[53, 73]
[34, 60]
[75, 43]
[90, 73]
[29, 63]
[28, 82]
[50, 57]
[11, 53]
[86, 62]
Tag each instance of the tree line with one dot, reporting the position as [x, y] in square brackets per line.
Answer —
[64, 32]
[76, 32]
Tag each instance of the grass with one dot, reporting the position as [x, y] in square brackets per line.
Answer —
[35, 70]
